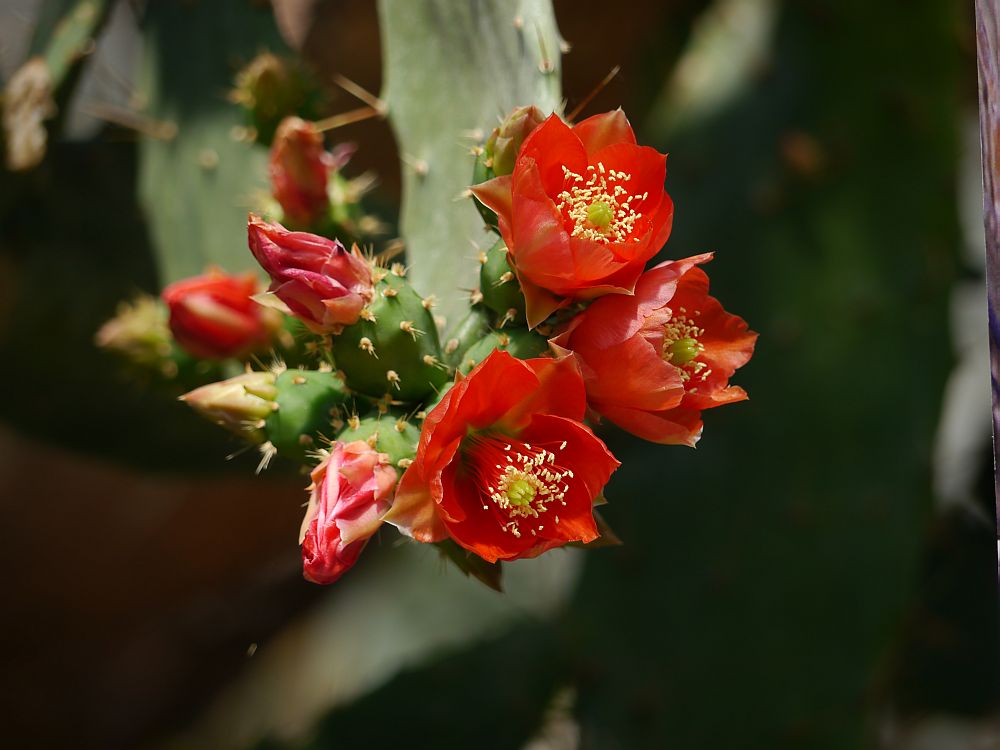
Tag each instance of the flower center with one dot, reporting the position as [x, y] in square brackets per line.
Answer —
[599, 207]
[520, 492]
[683, 351]
[682, 346]
[600, 214]
[521, 481]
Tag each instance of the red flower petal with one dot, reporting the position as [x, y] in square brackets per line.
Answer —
[552, 146]
[414, 511]
[496, 195]
[673, 427]
[603, 130]
[559, 391]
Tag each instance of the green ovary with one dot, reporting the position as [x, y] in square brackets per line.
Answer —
[683, 351]
[520, 492]
[599, 214]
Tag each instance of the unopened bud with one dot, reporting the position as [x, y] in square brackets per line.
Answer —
[239, 404]
[505, 142]
[300, 167]
[138, 332]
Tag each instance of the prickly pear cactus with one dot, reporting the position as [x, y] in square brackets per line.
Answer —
[519, 342]
[391, 432]
[465, 333]
[199, 171]
[501, 292]
[306, 403]
[476, 62]
[393, 350]
[64, 35]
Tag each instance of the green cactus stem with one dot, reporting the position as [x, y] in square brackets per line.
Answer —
[307, 405]
[467, 332]
[391, 432]
[198, 177]
[519, 342]
[70, 38]
[287, 412]
[477, 62]
[43, 84]
[500, 288]
[393, 350]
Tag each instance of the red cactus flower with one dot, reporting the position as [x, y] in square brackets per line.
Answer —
[654, 361]
[212, 315]
[504, 466]
[323, 284]
[350, 491]
[582, 212]
[300, 167]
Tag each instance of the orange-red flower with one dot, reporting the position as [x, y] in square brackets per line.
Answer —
[350, 491]
[504, 466]
[323, 284]
[654, 361]
[212, 315]
[582, 212]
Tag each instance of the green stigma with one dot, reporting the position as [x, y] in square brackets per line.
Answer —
[683, 351]
[599, 214]
[520, 492]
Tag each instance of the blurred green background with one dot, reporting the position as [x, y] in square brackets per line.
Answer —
[819, 573]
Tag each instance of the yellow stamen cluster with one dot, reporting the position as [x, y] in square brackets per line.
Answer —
[526, 484]
[682, 346]
[600, 206]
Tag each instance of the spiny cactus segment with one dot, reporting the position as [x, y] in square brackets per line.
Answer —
[391, 432]
[518, 342]
[500, 289]
[307, 406]
[393, 349]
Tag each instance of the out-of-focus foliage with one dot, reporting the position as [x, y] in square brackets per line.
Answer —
[199, 179]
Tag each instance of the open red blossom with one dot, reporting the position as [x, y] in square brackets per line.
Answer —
[213, 315]
[350, 491]
[582, 212]
[653, 361]
[323, 284]
[504, 465]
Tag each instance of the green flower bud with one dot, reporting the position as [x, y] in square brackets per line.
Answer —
[505, 141]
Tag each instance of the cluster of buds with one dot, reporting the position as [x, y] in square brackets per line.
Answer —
[480, 441]
[213, 322]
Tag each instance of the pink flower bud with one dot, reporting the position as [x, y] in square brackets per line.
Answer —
[351, 490]
[212, 315]
[300, 168]
[323, 284]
